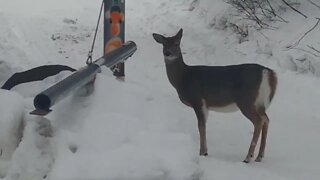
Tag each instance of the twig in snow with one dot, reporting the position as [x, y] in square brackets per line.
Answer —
[313, 48]
[263, 35]
[194, 4]
[313, 3]
[274, 12]
[296, 10]
[305, 34]
[309, 52]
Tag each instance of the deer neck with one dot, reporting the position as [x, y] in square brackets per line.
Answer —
[176, 69]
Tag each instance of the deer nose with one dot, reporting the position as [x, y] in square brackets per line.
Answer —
[167, 53]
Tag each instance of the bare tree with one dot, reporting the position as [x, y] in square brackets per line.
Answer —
[260, 12]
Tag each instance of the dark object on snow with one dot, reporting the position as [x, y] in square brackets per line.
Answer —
[47, 98]
[35, 74]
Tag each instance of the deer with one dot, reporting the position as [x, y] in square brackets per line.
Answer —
[249, 88]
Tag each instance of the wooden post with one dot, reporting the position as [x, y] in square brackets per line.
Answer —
[114, 30]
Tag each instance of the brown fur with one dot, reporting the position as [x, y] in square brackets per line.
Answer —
[204, 87]
[273, 81]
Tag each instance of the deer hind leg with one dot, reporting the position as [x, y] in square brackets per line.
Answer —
[201, 112]
[263, 137]
[257, 121]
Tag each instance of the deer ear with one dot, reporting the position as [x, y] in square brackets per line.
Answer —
[159, 38]
[179, 34]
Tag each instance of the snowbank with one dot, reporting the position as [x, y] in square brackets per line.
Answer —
[132, 137]
[11, 126]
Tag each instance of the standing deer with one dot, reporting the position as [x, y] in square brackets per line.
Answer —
[248, 87]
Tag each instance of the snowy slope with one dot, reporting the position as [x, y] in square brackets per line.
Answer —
[139, 129]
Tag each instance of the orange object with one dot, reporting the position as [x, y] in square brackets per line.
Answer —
[114, 43]
[116, 19]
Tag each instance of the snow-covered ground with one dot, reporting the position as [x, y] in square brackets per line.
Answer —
[138, 129]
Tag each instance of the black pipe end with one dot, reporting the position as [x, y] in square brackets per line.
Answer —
[42, 101]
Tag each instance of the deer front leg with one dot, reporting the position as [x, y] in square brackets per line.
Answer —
[201, 112]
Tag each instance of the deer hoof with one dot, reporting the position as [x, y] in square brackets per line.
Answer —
[247, 160]
[204, 154]
[259, 159]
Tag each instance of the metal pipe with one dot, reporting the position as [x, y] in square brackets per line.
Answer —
[118, 55]
[47, 98]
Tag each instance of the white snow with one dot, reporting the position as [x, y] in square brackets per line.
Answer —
[138, 129]
[12, 112]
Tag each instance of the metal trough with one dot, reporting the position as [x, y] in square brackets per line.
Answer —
[47, 98]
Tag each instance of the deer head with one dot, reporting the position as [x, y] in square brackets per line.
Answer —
[171, 46]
